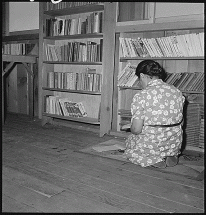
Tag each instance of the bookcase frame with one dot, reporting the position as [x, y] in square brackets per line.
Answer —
[107, 68]
[139, 28]
[28, 61]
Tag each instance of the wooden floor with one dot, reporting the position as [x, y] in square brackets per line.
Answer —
[42, 172]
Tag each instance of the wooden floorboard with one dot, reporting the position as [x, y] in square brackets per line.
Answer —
[142, 189]
[64, 202]
[11, 205]
[42, 171]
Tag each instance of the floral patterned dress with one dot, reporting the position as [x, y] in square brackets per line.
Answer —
[158, 104]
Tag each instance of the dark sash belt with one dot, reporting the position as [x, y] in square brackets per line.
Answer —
[172, 125]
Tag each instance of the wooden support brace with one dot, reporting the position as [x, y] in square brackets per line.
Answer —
[28, 69]
[7, 69]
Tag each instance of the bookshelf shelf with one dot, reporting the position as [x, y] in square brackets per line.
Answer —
[193, 92]
[75, 10]
[72, 91]
[77, 63]
[137, 88]
[76, 36]
[88, 120]
[124, 59]
[19, 58]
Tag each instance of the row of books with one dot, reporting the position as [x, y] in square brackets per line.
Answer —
[64, 107]
[187, 81]
[201, 139]
[17, 48]
[187, 45]
[60, 26]
[183, 81]
[62, 5]
[75, 52]
[127, 77]
[75, 81]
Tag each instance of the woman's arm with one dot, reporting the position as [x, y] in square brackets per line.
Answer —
[137, 125]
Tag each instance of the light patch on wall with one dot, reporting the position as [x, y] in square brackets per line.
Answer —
[23, 16]
[170, 9]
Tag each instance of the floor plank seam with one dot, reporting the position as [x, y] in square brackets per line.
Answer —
[97, 189]
[148, 175]
[20, 203]
[123, 163]
[160, 197]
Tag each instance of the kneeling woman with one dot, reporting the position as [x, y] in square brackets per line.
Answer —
[157, 116]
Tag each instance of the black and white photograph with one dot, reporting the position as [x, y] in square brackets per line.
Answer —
[103, 107]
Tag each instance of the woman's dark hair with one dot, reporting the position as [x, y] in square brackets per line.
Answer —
[151, 68]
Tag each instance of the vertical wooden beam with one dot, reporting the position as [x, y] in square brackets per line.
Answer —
[108, 66]
[115, 92]
[40, 65]
[31, 92]
[2, 93]
[7, 19]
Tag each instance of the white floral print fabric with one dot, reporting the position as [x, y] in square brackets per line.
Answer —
[158, 104]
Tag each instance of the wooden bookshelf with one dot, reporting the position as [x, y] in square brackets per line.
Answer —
[28, 62]
[89, 98]
[123, 94]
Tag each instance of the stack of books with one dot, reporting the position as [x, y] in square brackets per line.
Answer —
[192, 120]
[127, 77]
[187, 45]
[187, 81]
[201, 140]
[125, 117]
[87, 81]
[63, 5]
[75, 52]
[64, 107]
[18, 48]
[60, 26]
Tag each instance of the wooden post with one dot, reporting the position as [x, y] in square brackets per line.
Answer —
[108, 66]
[115, 93]
[40, 65]
[2, 91]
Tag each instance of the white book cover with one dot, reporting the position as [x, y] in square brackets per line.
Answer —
[162, 46]
[103, 148]
[147, 47]
[182, 45]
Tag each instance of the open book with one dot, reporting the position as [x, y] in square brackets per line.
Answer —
[126, 127]
[101, 148]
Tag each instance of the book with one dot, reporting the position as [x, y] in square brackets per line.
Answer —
[178, 76]
[137, 48]
[182, 85]
[197, 81]
[188, 81]
[50, 79]
[102, 148]
[182, 45]
[182, 78]
[168, 75]
[148, 47]
[190, 45]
